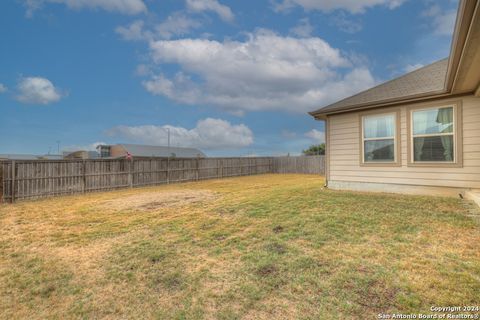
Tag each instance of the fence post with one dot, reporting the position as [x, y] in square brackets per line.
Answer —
[2, 181]
[197, 171]
[221, 168]
[168, 170]
[130, 173]
[13, 181]
[84, 178]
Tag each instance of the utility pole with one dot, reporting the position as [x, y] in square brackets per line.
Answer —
[168, 132]
[58, 146]
[168, 139]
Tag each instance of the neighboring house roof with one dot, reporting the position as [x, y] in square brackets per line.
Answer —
[13, 156]
[454, 76]
[426, 80]
[81, 153]
[161, 151]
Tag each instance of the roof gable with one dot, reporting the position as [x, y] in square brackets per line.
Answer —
[424, 81]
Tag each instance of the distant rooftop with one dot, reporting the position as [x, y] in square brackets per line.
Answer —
[162, 151]
[13, 156]
[137, 150]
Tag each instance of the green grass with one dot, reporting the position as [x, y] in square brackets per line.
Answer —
[263, 247]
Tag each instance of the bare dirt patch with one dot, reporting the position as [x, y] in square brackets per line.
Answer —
[277, 248]
[278, 229]
[156, 200]
[377, 297]
[267, 270]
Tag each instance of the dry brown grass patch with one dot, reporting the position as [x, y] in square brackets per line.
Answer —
[157, 200]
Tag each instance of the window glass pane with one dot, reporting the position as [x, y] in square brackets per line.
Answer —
[379, 150]
[433, 148]
[433, 121]
[379, 126]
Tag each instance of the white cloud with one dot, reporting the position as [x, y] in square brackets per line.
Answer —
[134, 31]
[2, 88]
[353, 6]
[316, 135]
[208, 134]
[224, 12]
[177, 24]
[445, 23]
[345, 24]
[442, 21]
[413, 67]
[122, 6]
[159, 85]
[304, 29]
[37, 90]
[85, 147]
[265, 72]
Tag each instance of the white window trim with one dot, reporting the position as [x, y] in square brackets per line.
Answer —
[394, 137]
[453, 134]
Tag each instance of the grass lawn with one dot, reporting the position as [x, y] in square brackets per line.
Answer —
[262, 247]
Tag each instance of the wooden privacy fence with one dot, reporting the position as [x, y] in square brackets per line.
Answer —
[33, 179]
[307, 165]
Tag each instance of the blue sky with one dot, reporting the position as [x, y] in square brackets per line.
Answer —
[229, 77]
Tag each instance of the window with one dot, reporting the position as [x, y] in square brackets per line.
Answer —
[433, 135]
[104, 151]
[379, 134]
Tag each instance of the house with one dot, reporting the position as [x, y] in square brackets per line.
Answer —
[419, 133]
[144, 151]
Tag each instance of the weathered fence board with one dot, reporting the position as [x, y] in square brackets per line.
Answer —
[33, 179]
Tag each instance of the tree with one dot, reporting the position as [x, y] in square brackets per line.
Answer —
[316, 149]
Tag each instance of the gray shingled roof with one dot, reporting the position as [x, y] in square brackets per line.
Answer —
[429, 79]
[137, 150]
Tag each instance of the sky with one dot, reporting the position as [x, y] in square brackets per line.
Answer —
[233, 78]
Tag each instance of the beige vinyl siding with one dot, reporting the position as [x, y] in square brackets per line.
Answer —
[344, 138]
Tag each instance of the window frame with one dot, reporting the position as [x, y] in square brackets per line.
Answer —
[397, 162]
[457, 135]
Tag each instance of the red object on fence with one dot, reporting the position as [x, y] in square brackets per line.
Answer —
[129, 156]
